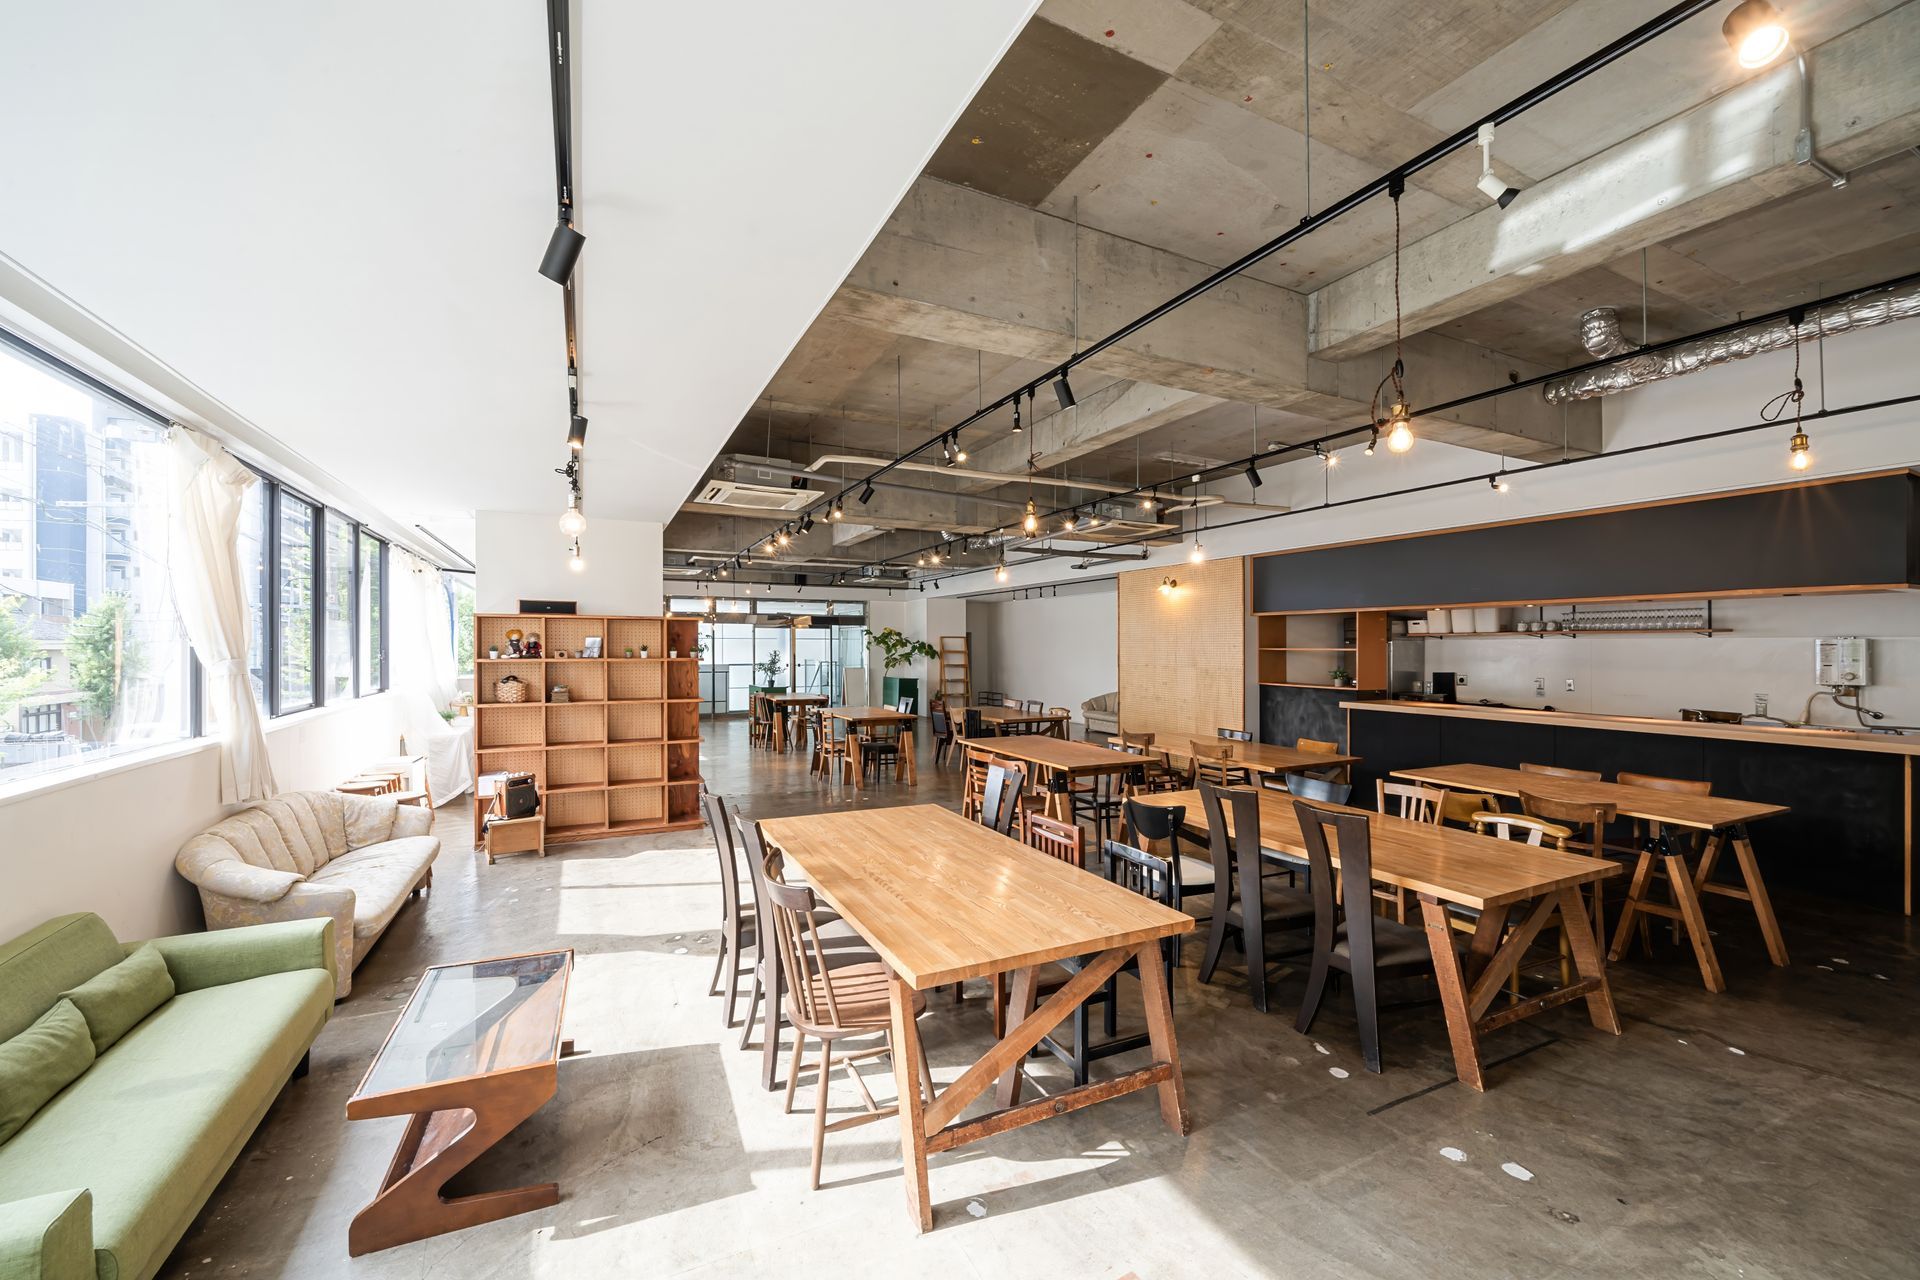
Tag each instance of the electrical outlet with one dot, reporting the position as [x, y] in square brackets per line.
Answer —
[1569, 684]
[1539, 686]
[1760, 704]
[1460, 681]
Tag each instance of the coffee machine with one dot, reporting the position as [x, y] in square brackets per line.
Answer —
[1443, 688]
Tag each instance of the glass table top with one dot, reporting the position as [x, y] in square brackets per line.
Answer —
[472, 1019]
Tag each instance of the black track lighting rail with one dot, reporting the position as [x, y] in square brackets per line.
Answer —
[1391, 180]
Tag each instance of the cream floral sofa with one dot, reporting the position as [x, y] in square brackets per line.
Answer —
[314, 853]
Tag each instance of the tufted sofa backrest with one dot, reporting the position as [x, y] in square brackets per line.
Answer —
[298, 832]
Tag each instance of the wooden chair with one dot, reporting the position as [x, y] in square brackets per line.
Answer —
[1155, 773]
[760, 728]
[1460, 808]
[1555, 771]
[1221, 773]
[1332, 773]
[1234, 735]
[1148, 825]
[973, 783]
[737, 918]
[1065, 841]
[1061, 728]
[1320, 790]
[1368, 943]
[830, 1005]
[1529, 831]
[1415, 803]
[1250, 904]
[1589, 834]
[1000, 799]
[1034, 708]
[942, 737]
[1150, 877]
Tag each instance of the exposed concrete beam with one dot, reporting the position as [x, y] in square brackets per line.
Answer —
[1729, 154]
[956, 266]
[1100, 419]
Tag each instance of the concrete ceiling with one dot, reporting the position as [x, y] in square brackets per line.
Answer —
[328, 216]
[1122, 147]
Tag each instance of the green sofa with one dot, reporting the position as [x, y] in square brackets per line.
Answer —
[105, 1178]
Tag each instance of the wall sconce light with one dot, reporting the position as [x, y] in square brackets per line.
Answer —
[1169, 585]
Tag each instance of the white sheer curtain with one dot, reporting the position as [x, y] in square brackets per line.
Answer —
[203, 564]
[420, 646]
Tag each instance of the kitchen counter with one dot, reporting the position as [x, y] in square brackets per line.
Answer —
[1833, 739]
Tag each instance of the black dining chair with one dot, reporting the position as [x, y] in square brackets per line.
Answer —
[1150, 877]
[942, 737]
[1359, 943]
[1192, 877]
[1306, 786]
[1250, 904]
[1000, 802]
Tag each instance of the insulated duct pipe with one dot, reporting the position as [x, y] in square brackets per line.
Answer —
[1600, 334]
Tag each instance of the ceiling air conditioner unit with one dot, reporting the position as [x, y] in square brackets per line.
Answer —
[755, 484]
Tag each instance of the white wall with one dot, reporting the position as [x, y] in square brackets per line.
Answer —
[523, 557]
[104, 841]
[1060, 650]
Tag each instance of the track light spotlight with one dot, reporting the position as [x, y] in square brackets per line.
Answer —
[1067, 525]
[1016, 414]
[722, 571]
[1063, 392]
[1253, 474]
[577, 433]
[1490, 184]
[1498, 483]
[1756, 33]
[866, 493]
[806, 523]
[1147, 500]
[563, 250]
[838, 513]
[1000, 573]
[783, 538]
[959, 450]
[946, 450]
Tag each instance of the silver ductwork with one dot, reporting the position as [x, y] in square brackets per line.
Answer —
[1600, 334]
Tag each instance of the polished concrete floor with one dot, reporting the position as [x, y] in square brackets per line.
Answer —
[1766, 1132]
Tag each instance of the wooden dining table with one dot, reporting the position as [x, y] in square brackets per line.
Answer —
[1500, 879]
[857, 719]
[786, 703]
[1720, 819]
[1260, 757]
[1058, 762]
[1005, 718]
[941, 900]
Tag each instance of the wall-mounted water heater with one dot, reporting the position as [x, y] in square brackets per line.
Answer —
[1840, 662]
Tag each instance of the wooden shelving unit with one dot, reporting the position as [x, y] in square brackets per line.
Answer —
[1300, 650]
[622, 755]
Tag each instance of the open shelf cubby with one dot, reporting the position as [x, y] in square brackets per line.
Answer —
[622, 754]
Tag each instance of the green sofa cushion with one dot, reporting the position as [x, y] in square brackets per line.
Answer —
[37, 966]
[151, 1129]
[115, 1000]
[40, 1062]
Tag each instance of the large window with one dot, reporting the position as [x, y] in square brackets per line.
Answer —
[341, 563]
[92, 657]
[373, 614]
[253, 580]
[294, 594]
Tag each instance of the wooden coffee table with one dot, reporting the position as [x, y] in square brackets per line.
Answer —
[475, 1052]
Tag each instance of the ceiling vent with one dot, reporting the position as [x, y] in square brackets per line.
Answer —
[754, 484]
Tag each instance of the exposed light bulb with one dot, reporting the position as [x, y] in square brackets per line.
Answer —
[1000, 574]
[782, 538]
[1032, 522]
[1198, 553]
[1800, 451]
[573, 522]
[838, 513]
[1399, 432]
[1498, 484]
[706, 604]
[1068, 524]
[576, 561]
[1756, 33]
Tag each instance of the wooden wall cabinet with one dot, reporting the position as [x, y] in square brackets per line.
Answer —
[622, 754]
[1301, 650]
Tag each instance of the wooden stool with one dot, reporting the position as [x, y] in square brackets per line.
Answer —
[366, 786]
[503, 835]
[419, 799]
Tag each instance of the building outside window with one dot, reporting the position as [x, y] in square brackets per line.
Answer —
[93, 660]
[341, 560]
[253, 580]
[373, 596]
[294, 599]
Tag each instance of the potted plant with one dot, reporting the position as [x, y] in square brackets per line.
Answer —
[1341, 677]
[768, 669]
[899, 651]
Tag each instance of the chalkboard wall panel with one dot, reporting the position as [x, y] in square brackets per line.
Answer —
[1841, 839]
[1846, 533]
[1287, 715]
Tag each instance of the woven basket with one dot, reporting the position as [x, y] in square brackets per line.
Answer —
[510, 689]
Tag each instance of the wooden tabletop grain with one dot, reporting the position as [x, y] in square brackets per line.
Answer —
[1056, 753]
[867, 714]
[1453, 866]
[1262, 756]
[941, 898]
[1702, 813]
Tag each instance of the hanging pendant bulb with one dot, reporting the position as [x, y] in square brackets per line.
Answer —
[782, 538]
[1800, 451]
[1399, 430]
[573, 522]
[1032, 522]
[576, 562]
[1198, 553]
[1000, 573]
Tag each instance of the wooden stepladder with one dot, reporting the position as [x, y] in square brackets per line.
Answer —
[956, 671]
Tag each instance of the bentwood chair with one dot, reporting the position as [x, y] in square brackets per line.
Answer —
[1415, 803]
[1355, 941]
[1063, 727]
[1555, 771]
[1529, 831]
[840, 946]
[1146, 826]
[1155, 774]
[737, 918]
[831, 1005]
[1150, 877]
[1208, 765]
[1249, 904]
